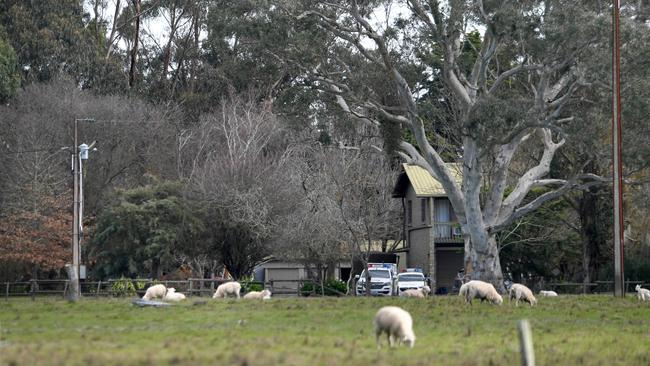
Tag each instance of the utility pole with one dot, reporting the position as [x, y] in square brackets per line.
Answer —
[73, 271]
[619, 272]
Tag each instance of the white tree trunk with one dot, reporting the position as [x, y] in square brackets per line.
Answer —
[482, 260]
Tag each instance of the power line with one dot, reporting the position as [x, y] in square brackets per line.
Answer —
[50, 149]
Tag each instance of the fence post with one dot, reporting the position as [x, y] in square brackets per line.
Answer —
[65, 288]
[33, 289]
[7, 291]
[99, 287]
[526, 343]
[190, 287]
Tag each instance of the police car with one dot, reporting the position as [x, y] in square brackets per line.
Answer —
[382, 279]
[412, 278]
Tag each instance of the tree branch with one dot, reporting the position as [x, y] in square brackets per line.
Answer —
[527, 181]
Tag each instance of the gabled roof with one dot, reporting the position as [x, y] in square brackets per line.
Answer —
[423, 183]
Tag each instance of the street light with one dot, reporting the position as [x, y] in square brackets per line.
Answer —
[73, 271]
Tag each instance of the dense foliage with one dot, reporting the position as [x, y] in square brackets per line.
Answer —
[232, 131]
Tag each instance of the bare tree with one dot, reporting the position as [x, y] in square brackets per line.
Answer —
[234, 161]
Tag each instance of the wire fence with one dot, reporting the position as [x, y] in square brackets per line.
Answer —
[206, 287]
[138, 286]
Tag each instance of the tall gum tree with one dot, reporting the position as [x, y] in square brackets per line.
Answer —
[529, 55]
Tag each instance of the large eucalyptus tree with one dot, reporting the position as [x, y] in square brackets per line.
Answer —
[504, 91]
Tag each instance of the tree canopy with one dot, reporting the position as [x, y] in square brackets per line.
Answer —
[231, 131]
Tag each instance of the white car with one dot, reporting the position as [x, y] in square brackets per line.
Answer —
[381, 282]
[410, 280]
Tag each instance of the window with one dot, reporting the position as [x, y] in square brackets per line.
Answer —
[423, 209]
[443, 210]
[409, 212]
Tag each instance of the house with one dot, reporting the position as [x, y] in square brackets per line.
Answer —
[434, 241]
[287, 276]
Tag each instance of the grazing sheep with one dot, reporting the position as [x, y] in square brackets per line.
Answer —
[396, 323]
[227, 289]
[174, 296]
[521, 292]
[548, 293]
[642, 294]
[482, 290]
[258, 295]
[421, 292]
[155, 291]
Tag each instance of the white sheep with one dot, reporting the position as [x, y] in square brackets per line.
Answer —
[396, 323]
[155, 291]
[420, 292]
[227, 289]
[521, 292]
[174, 296]
[642, 294]
[482, 290]
[548, 293]
[258, 295]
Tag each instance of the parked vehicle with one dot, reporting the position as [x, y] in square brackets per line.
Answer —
[412, 278]
[383, 280]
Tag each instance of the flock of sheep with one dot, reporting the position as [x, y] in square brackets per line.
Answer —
[228, 289]
[393, 321]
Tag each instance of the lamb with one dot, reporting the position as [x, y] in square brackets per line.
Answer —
[482, 290]
[396, 323]
[174, 296]
[642, 294]
[548, 293]
[155, 291]
[521, 292]
[227, 289]
[258, 295]
[421, 292]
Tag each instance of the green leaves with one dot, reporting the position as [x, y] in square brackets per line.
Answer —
[9, 74]
[145, 224]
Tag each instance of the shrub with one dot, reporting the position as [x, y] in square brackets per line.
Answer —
[307, 289]
[252, 286]
[124, 287]
[333, 287]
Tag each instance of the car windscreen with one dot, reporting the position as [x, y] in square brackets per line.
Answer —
[378, 274]
[410, 277]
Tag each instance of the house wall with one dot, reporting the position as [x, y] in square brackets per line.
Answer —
[418, 255]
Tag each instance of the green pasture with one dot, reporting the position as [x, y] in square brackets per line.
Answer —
[569, 330]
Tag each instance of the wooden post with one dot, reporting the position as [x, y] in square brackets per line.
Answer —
[189, 289]
[73, 294]
[617, 156]
[7, 291]
[33, 289]
[526, 343]
[65, 288]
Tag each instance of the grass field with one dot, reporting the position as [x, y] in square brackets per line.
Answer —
[570, 330]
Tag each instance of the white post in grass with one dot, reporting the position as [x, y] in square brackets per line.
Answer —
[526, 343]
